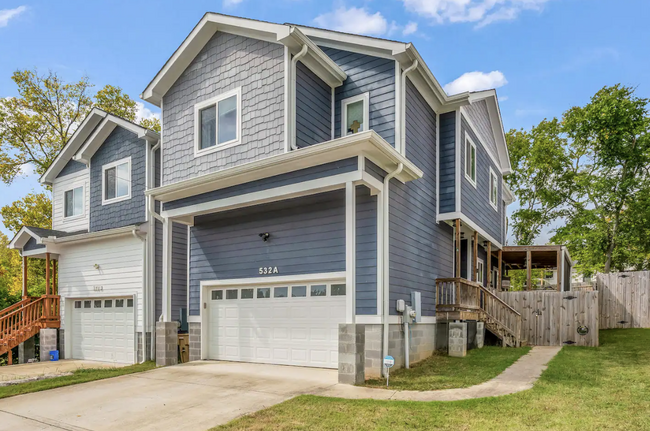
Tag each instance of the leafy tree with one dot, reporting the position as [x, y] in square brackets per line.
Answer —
[35, 209]
[595, 177]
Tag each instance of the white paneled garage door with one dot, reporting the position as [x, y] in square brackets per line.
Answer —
[102, 329]
[287, 325]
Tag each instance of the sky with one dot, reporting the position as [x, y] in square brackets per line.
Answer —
[542, 56]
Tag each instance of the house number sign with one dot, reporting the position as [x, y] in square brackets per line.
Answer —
[265, 270]
[98, 288]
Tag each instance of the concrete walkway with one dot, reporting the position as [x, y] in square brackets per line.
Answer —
[12, 373]
[520, 376]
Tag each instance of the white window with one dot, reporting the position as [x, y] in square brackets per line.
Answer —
[73, 205]
[493, 190]
[116, 181]
[355, 114]
[217, 123]
[481, 268]
[470, 161]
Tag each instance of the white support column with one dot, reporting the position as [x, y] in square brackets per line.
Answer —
[167, 271]
[380, 253]
[350, 250]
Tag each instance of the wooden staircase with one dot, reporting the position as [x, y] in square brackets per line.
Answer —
[23, 320]
[460, 299]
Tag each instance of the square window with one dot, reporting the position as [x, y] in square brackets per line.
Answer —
[217, 295]
[74, 205]
[217, 121]
[108, 303]
[87, 304]
[318, 290]
[231, 293]
[98, 303]
[119, 303]
[280, 292]
[298, 291]
[338, 290]
[264, 292]
[247, 293]
[117, 181]
[354, 114]
[129, 303]
[77, 304]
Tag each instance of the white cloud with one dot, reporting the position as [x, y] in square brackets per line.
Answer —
[481, 12]
[476, 81]
[503, 98]
[410, 28]
[7, 14]
[231, 3]
[144, 113]
[354, 20]
[27, 170]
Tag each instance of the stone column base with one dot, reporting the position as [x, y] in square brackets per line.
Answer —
[352, 357]
[48, 338]
[27, 351]
[458, 339]
[195, 341]
[480, 335]
[166, 343]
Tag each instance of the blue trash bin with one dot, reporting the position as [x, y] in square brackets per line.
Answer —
[54, 355]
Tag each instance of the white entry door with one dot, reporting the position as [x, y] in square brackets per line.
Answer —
[102, 329]
[287, 325]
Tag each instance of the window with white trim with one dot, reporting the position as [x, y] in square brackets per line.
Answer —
[73, 202]
[470, 161]
[355, 114]
[116, 181]
[217, 122]
[494, 191]
[481, 267]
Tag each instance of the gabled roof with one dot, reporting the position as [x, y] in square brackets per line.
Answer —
[490, 97]
[88, 137]
[288, 35]
[38, 233]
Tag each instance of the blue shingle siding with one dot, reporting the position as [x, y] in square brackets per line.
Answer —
[447, 153]
[72, 167]
[367, 74]
[421, 250]
[32, 245]
[226, 62]
[366, 255]
[312, 173]
[475, 202]
[120, 144]
[307, 236]
[313, 108]
[375, 170]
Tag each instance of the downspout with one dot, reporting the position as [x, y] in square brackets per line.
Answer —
[402, 108]
[292, 94]
[385, 256]
[145, 277]
[152, 250]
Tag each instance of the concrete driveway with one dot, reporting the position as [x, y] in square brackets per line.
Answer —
[193, 396]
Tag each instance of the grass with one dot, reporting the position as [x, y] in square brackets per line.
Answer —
[605, 388]
[444, 372]
[79, 376]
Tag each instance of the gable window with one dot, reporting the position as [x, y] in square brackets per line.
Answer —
[73, 202]
[493, 190]
[116, 181]
[354, 114]
[470, 161]
[217, 122]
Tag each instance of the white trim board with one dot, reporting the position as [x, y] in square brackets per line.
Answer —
[471, 224]
[280, 279]
[214, 101]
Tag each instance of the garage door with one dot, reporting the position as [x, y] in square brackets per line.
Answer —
[288, 325]
[102, 329]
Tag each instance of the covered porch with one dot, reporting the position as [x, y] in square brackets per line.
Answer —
[554, 262]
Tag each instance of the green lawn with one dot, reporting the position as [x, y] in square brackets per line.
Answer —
[605, 388]
[80, 376]
[445, 372]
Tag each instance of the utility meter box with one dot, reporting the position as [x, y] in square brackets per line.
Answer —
[401, 305]
[416, 305]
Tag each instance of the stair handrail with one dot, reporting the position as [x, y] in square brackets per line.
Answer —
[34, 311]
[514, 328]
[18, 304]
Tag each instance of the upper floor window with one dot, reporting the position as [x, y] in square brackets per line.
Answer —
[217, 122]
[116, 180]
[73, 202]
[470, 161]
[493, 190]
[354, 114]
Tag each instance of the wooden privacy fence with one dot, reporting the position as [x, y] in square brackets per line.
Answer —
[556, 318]
[624, 299]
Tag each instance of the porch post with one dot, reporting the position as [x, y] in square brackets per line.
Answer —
[475, 257]
[47, 273]
[54, 283]
[529, 273]
[559, 268]
[350, 248]
[458, 247]
[167, 271]
[500, 276]
[489, 264]
[24, 277]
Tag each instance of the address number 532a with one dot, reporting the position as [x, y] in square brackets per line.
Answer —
[265, 270]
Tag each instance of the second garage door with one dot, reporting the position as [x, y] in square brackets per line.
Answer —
[286, 325]
[102, 329]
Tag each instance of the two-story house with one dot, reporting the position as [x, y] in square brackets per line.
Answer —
[305, 183]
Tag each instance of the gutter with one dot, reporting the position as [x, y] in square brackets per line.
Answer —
[91, 236]
[402, 108]
[292, 94]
